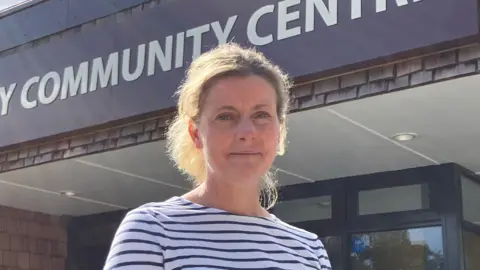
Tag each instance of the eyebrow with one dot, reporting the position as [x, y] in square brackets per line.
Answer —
[232, 108]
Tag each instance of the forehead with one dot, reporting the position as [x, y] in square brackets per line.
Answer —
[240, 92]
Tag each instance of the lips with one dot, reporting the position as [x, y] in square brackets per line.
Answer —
[245, 153]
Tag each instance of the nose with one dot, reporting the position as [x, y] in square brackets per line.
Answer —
[246, 130]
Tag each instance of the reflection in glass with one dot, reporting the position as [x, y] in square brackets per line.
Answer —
[333, 245]
[412, 249]
[471, 246]
[385, 200]
[471, 200]
[317, 208]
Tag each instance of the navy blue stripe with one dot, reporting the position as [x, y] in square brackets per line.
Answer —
[323, 257]
[218, 212]
[225, 222]
[215, 214]
[207, 266]
[223, 232]
[192, 205]
[138, 241]
[236, 260]
[211, 240]
[178, 206]
[230, 222]
[126, 252]
[242, 251]
[137, 263]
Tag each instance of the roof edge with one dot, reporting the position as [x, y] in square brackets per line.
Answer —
[19, 7]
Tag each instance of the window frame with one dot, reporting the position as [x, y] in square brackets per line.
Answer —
[464, 224]
[444, 207]
[332, 188]
[433, 177]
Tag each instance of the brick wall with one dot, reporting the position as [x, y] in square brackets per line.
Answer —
[31, 241]
[393, 77]
[323, 92]
[82, 144]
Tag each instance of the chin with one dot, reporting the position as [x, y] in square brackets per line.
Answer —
[242, 174]
[248, 173]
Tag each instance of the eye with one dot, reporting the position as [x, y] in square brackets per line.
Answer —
[224, 117]
[262, 115]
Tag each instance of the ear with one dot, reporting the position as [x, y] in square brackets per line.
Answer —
[193, 131]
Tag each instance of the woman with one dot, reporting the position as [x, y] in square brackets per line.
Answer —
[229, 128]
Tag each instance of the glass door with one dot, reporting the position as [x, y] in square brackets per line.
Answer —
[409, 249]
[471, 249]
[333, 245]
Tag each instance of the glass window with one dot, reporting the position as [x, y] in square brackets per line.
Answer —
[333, 246]
[471, 246]
[471, 200]
[394, 199]
[308, 209]
[412, 249]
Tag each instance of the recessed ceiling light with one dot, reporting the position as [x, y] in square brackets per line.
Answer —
[405, 136]
[67, 193]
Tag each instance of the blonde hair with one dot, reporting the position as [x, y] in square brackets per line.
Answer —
[226, 60]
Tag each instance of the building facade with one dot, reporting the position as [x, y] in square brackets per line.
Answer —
[86, 93]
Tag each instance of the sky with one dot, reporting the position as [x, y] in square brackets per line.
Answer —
[7, 3]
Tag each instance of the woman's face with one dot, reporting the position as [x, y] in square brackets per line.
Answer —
[238, 129]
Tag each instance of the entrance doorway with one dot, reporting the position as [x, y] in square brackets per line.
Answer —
[409, 219]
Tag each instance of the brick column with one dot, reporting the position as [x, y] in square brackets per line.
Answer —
[31, 241]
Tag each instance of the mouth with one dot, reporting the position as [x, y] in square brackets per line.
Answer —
[245, 154]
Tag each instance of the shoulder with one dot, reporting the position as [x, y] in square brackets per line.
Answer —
[314, 241]
[156, 212]
[297, 231]
[140, 239]
[148, 220]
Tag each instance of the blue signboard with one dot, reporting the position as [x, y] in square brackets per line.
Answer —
[131, 65]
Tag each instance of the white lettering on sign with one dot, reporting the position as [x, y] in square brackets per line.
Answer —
[5, 96]
[380, 6]
[179, 50]
[157, 54]
[73, 82]
[197, 33]
[252, 34]
[106, 74]
[27, 104]
[223, 34]
[284, 17]
[168, 54]
[132, 76]
[43, 97]
[329, 14]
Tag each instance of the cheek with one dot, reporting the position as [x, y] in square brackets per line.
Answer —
[271, 136]
[216, 143]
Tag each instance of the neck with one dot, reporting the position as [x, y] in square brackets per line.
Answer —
[237, 199]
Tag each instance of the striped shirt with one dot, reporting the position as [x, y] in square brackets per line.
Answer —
[179, 234]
